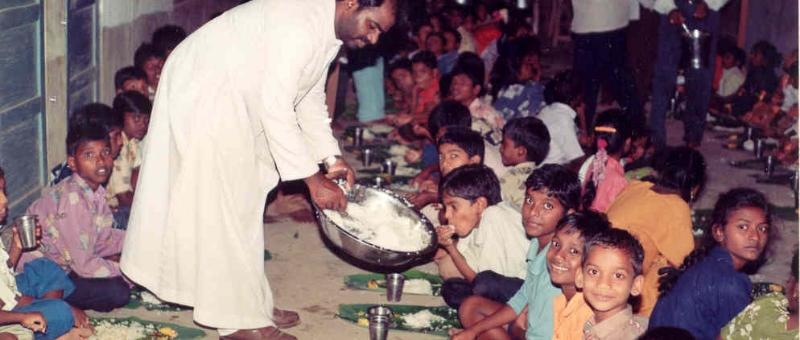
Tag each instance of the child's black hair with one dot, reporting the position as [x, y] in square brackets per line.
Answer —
[727, 203]
[400, 64]
[466, 139]
[772, 57]
[612, 127]
[588, 223]
[84, 133]
[167, 37]
[559, 182]
[132, 101]
[145, 52]
[448, 113]
[426, 58]
[471, 62]
[472, 75]
[96, 114]
[666, 333]
[454, 33]
[563, 88]
[471, 182]
[613, 238]
[739, 55]
[530, 133]
[127, 73]
[682, 169]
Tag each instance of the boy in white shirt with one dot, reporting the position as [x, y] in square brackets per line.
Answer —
[490, 245]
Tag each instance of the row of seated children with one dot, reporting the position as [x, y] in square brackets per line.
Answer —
[736, 236]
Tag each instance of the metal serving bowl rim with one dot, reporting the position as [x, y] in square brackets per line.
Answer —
[424, 220]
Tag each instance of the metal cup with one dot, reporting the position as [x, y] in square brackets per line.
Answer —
[749, 133]
[358, 136]
[378, 181]
[769, 165]
[390, 167]
[366, 159]
[379, 321]
[26, 226]
[759, 148]
[394, 286]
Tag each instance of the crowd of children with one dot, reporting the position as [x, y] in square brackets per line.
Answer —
[81, 217]
[584, 230]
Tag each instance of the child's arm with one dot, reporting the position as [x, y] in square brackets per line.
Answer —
[445, 234]
[33, 321]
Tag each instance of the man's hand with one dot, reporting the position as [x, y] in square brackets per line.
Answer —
[325, 193]
[675, 17]
[34, 321]
[340, 169]
[700, 9]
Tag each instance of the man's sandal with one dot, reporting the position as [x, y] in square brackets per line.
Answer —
[285, 319]
[266, 333]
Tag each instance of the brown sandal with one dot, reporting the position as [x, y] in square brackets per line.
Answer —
[284, 318]
[266, 333]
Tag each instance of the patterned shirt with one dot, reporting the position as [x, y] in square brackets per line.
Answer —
[76, 229]
[520, 100]
[764, 319]
[512, 184]
[8, 283]
[128, 159]
[621, 326]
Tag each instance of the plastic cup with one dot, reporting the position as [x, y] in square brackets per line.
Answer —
[394, 286]
[26, 226]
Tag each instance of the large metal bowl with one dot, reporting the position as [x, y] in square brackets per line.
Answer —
[366, 251]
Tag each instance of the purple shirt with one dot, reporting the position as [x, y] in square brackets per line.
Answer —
[76, 229]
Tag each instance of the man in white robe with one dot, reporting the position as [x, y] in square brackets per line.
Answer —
[240, 106]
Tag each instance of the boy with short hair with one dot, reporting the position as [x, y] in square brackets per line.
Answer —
[611, 273]
[466, 88]
[400, 74]
[32, 301]
[149, 59]
[525, 144]
[570, 311]
[552, 191]
[130, 78]
[424, 69]
[76, 224]
[490, 245]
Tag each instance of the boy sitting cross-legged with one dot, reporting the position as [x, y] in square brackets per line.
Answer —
[76, 224]
[611, 273]
[32, 301]
[552, 192]
[489, 252]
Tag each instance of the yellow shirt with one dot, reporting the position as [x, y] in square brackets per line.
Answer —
[569, 317]
[663, 225]
[124, 164]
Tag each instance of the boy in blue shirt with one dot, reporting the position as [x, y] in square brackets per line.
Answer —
[552, 192]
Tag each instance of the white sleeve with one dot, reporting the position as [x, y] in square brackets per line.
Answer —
[664, 6]
[290, 50]
[312, 115]
[716, 4]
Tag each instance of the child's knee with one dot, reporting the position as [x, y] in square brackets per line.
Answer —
[119, 292]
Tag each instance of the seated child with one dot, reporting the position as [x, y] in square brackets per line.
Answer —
[709, 289]
[610, 274]
[32, 301]
[149, 59]
[445, 114]
[466, 88]
[733, 58]
[517, 79]
[605, 175]
[135, 110]
[771, 316]
[525, 144]
[489, 251]
[400, 74]
[130, 78]
[552, 191]
[452, 41]
[564, 258]
[760, 80]
[426, 87]
[98, 114]
[458, 146]
[638, 161]
[76, 224]
[562, 97]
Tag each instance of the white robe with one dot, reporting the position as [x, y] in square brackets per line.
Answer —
[240, 104]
